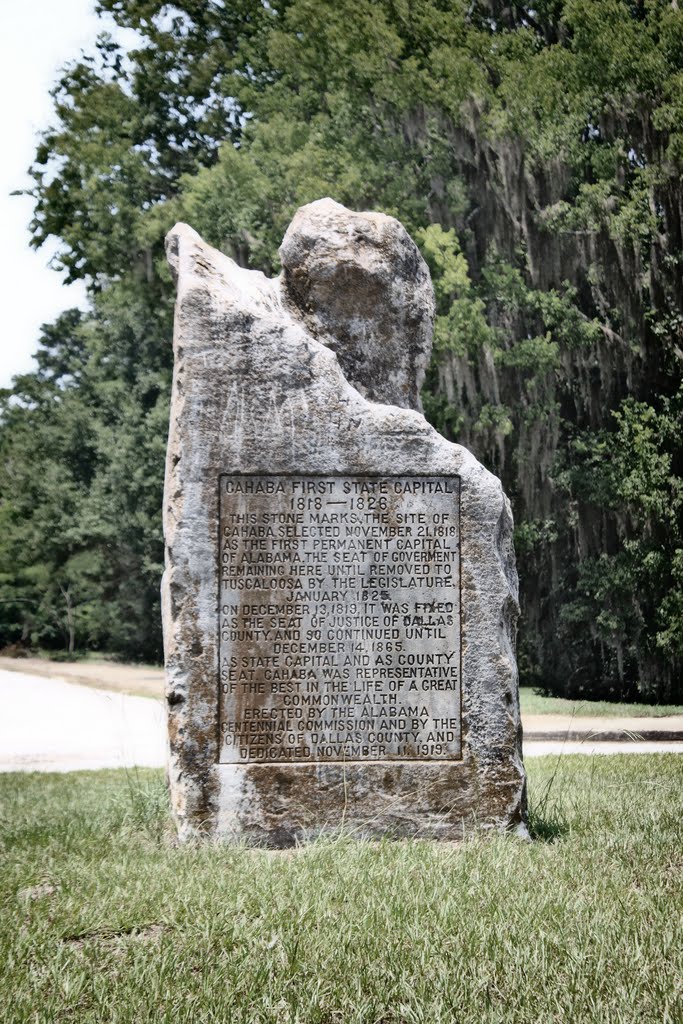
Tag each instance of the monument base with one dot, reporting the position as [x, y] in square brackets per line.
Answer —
[340, 594]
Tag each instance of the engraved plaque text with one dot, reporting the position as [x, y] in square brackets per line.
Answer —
[339, 618]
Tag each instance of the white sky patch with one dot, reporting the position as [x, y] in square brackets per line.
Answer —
[38, 37]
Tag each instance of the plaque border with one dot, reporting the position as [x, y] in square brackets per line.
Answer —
[351, 761]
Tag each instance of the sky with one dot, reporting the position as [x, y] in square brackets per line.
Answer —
[37, 38]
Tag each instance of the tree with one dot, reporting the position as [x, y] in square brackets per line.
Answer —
[535, 153]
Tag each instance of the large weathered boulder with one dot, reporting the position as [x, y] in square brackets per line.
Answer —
[340, 593]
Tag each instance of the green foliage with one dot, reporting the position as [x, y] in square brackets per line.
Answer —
[535, 153]
[460, 326]
[533, 534]
[81, 445]
[628, 596]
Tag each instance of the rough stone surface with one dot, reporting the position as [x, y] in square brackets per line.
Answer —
[305, 493]
[359, 284]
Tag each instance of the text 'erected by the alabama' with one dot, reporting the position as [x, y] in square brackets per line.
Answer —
[339, 618]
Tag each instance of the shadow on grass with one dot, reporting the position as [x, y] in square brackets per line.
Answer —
[546, 826]
[547, 820]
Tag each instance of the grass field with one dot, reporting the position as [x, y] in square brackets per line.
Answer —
[105, 920]
[533, 704]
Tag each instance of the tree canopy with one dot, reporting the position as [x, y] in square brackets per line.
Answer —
[535, 154]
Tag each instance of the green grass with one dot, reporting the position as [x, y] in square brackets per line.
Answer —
[103, 919]
[533, 704]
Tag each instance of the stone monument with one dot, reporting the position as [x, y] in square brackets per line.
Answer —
[340, 593]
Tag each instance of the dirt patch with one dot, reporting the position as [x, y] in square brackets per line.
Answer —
[136, 680]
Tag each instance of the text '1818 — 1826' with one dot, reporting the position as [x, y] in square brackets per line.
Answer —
[339, 618]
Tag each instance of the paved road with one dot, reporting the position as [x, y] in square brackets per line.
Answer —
[49, 724]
